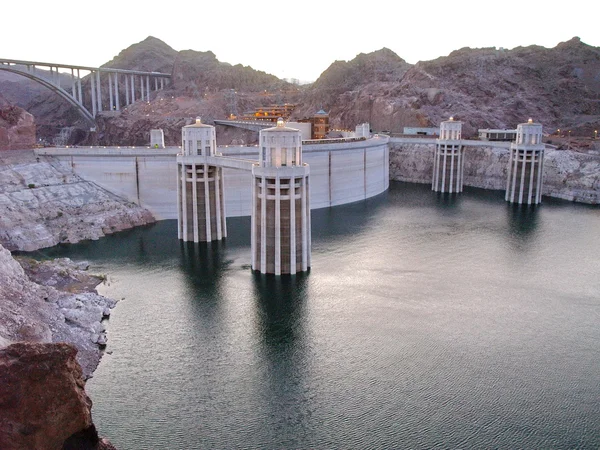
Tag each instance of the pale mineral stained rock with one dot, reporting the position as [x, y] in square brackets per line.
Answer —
[43, 204]
[568, 174]
[35, 313]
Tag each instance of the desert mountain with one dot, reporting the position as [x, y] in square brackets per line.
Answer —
[485, 88]
[149, 55]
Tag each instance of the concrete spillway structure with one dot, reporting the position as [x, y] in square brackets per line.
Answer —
[281, 238]
[448, 159]
[526, 165]
[200, 204]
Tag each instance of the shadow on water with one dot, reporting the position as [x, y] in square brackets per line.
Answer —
[203, 263]
[140, 245]
[522, 221]
[281, 310]
[447, 204]
[343, 220]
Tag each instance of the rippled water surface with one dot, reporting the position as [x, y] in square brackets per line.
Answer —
[426, 321]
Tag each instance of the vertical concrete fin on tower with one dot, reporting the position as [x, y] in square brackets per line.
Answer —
[525, 165]
[202, 216]
[448, 159]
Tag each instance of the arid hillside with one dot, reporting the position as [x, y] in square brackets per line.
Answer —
[485, 88]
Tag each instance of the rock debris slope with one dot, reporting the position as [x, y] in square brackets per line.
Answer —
[65, 309]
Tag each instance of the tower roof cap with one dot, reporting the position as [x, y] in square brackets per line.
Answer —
[198, 124]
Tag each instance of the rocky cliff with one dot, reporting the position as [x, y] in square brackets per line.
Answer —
[201, 86]
[360, 90]
[43, 402]
[17, 127]
[149, 55]
[568, 174]
[486, 88]
[43, 203]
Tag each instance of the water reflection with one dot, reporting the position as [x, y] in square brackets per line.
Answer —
[280, 309]
[522, 222]
[282, 326]
[447, 200]
[332, 223]
[203, 263]
[448, 204]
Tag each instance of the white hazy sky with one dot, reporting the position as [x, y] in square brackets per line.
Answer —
[289, 39]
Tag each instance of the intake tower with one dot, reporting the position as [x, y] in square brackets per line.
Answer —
[526, 165]
[200, 200]
[281, 238]
[448, 160]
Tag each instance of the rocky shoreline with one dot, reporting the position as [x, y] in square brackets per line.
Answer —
[568, 174]
[52, 304]
[42, 204]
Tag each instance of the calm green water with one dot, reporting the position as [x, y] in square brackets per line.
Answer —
[425, 322]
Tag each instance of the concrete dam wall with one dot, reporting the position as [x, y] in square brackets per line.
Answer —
[339, 173]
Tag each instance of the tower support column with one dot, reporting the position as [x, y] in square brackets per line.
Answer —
[448, 159]
[525, 165]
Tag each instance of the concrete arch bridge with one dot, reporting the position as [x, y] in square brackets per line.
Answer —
[123, 86]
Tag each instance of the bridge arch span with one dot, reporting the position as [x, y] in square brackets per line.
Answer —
[56, 89]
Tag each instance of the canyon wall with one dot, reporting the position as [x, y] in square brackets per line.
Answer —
[568, 174]
[17, 127]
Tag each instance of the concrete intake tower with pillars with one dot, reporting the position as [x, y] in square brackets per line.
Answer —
[526, 165]
[280, 216]
[200, 205]
[448, 162]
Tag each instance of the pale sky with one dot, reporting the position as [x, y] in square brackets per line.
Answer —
[287, 39]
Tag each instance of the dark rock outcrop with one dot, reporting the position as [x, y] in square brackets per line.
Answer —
[196, 72]
[149, 55]
[43, 404]
[484, 88]
[17, 127]
[357, 91]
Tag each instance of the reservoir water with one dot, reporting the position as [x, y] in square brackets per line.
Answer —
[426, 321]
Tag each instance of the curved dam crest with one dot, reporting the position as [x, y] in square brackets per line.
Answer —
[340, 173]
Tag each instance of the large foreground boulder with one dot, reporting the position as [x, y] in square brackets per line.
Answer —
[43, 404]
